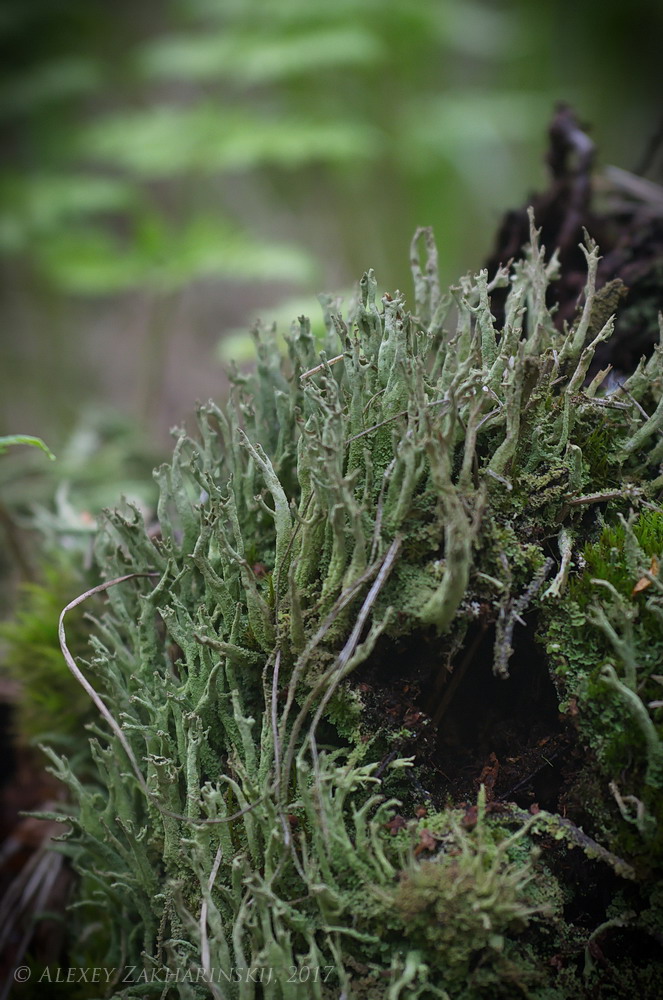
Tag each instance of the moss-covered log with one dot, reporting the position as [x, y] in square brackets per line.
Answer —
[370, 522]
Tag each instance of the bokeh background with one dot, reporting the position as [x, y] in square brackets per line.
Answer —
[173, 171]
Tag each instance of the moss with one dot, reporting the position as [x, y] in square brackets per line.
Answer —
[463, 905]
[607, 653]
[52, 705]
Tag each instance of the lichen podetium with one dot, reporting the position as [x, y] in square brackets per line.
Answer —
[439, 472]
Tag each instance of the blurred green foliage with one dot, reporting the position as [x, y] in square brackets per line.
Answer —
[152, 147]
[212, 137]
[104, 456]
[48, 510]
[10, 440]
[48, 518]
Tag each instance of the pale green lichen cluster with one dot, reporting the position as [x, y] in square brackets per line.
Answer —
[381, 487]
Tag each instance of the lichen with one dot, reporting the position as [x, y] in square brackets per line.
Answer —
[416, 470]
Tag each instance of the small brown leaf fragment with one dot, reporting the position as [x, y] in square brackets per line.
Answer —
[469, 820]
[427, 842]
[412, 717]
[596, 952]
[488, 776]
[420, 812]
[293, 821]
[396, 824]
[644, 581]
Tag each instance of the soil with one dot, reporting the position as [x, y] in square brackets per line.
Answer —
[469, 727]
